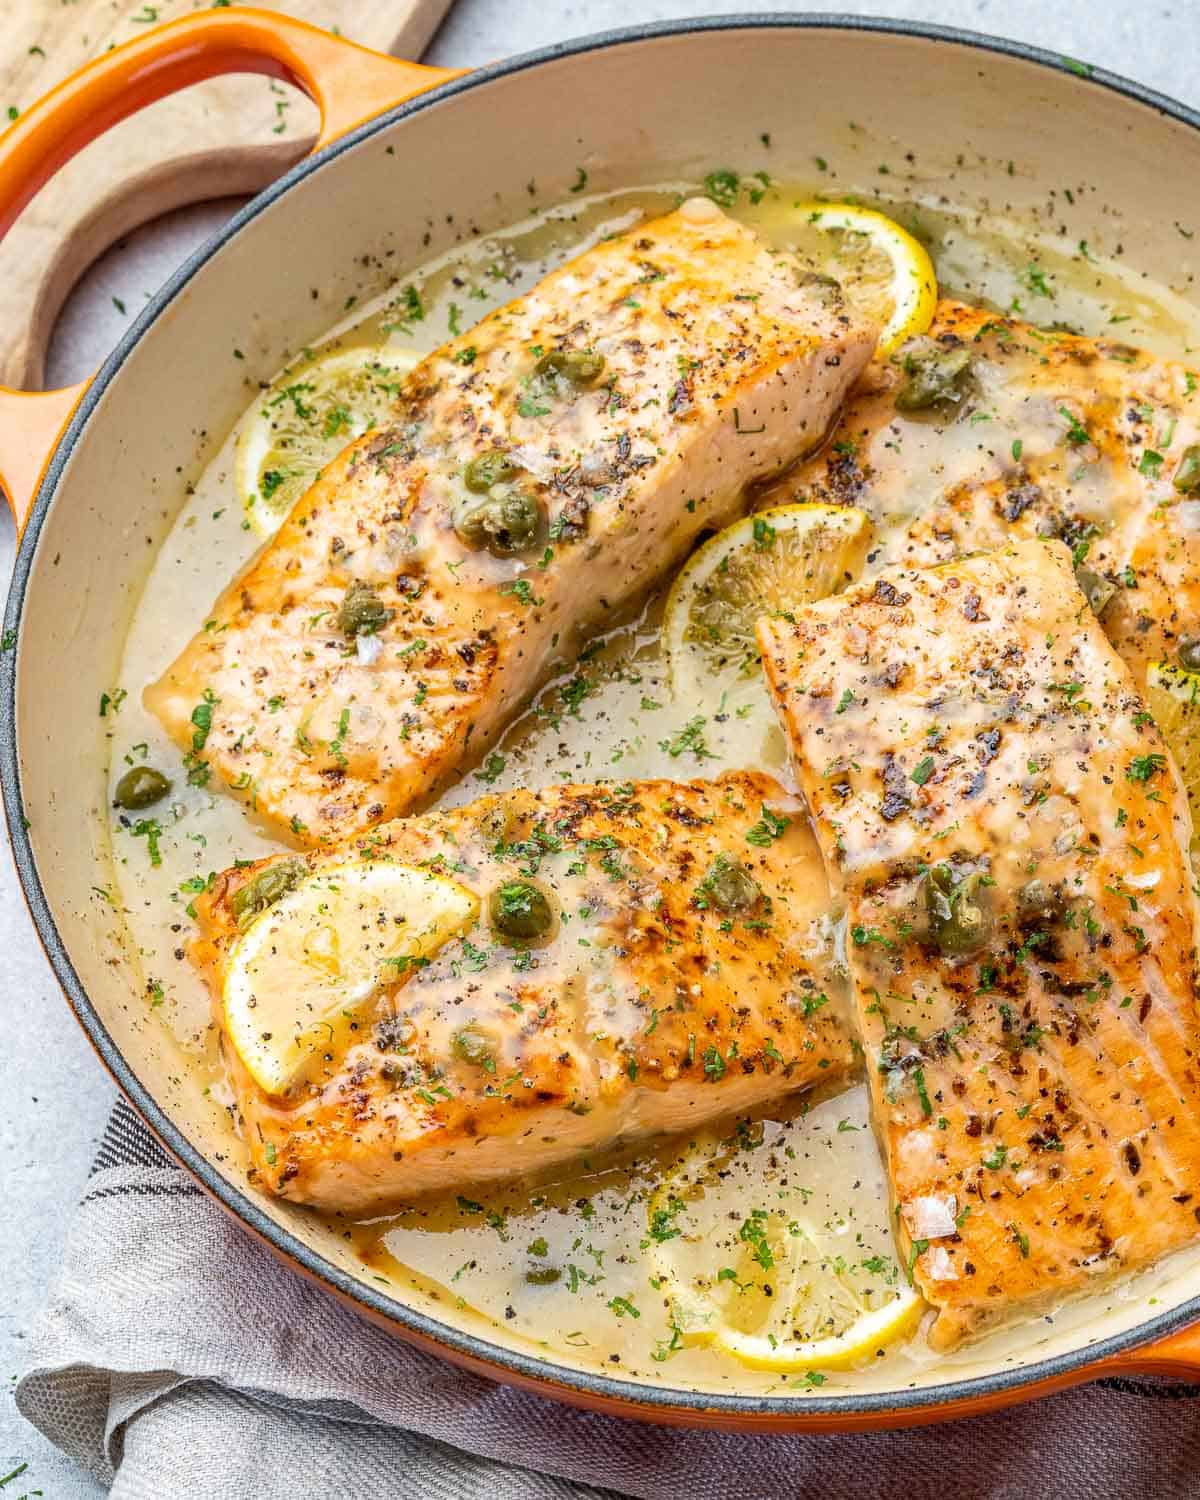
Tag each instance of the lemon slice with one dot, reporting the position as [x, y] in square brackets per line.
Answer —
[1173, 698]
[305, 419]
[885, 273]
[759, 1261]
[304, 967]
[866, 1335]
[764, 564]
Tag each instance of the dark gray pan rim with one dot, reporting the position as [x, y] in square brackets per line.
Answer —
[700, 1407]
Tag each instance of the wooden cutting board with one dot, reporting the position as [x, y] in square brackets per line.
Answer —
[229, 136]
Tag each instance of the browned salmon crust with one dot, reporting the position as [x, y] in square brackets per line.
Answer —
[1010, 838]
[1088, 440]
[649, 1011]
[720, 366]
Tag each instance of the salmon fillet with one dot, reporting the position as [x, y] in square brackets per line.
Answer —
[622, 407]
[655, 1006]
[1088, 440]
[1009, 837]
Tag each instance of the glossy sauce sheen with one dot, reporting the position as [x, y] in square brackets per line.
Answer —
[1033, 1038]
[608, 714]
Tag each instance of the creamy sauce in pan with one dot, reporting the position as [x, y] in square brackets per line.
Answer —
[608, 715]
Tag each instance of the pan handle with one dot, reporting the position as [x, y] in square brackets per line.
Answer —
[1178, 1355]
[347, 83]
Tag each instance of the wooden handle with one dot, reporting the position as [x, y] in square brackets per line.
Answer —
[347, 83]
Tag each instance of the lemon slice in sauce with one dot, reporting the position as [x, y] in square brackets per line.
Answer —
[1173, 698]
[761, 1258]
[764, 564]
[305, 965]
[885, 273]
[305, 419]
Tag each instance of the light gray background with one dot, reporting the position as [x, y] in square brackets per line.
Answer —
[54, 1095]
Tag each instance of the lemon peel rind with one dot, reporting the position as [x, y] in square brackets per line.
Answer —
[914, 279]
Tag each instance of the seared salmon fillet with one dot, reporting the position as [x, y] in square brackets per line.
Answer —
[1044, 434]
[540, 472]
[684, 978]
[1010, 840]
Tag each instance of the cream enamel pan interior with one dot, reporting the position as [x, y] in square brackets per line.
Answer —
[993, 126]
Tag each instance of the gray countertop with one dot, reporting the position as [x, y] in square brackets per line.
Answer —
[54, 1095]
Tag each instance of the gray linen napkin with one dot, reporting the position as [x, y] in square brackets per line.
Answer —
[176, 1357]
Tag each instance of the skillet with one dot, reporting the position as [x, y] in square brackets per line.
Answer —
[409, 160]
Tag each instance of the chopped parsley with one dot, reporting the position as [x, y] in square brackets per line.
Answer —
[1143, 767]
[764, 534]
[520, 589]
[1035, 281]
[335, 744]
[150, 830]
[714, 1064]
[770, 826]
[202, 720]
[689, 739]
[1151, 463]
[722, 186]
[491, 769]
[1077, 433]
[919, 1248]
[754, 1233]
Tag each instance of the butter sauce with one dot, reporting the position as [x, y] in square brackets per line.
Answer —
[568, 1254]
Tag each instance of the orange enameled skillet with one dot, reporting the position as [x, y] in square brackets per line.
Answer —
[408, 160]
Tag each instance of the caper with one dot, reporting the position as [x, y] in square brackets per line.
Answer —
[958, 922]
[1033, 896]
[362, 611]
[267, 887]
[1097, 590]
[492, 467]
[141, 787]
[1039, 904]
[520, 911]
[1187, 474]
[579, 366]
[542, 1275]
[1188, 653]
[473, 1045]
[825, 289]
[933, 375]
[495, 823]
[730, 887]
[507, 522]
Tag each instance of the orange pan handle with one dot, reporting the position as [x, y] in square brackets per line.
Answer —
[1178, 1355]
[347, 83]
